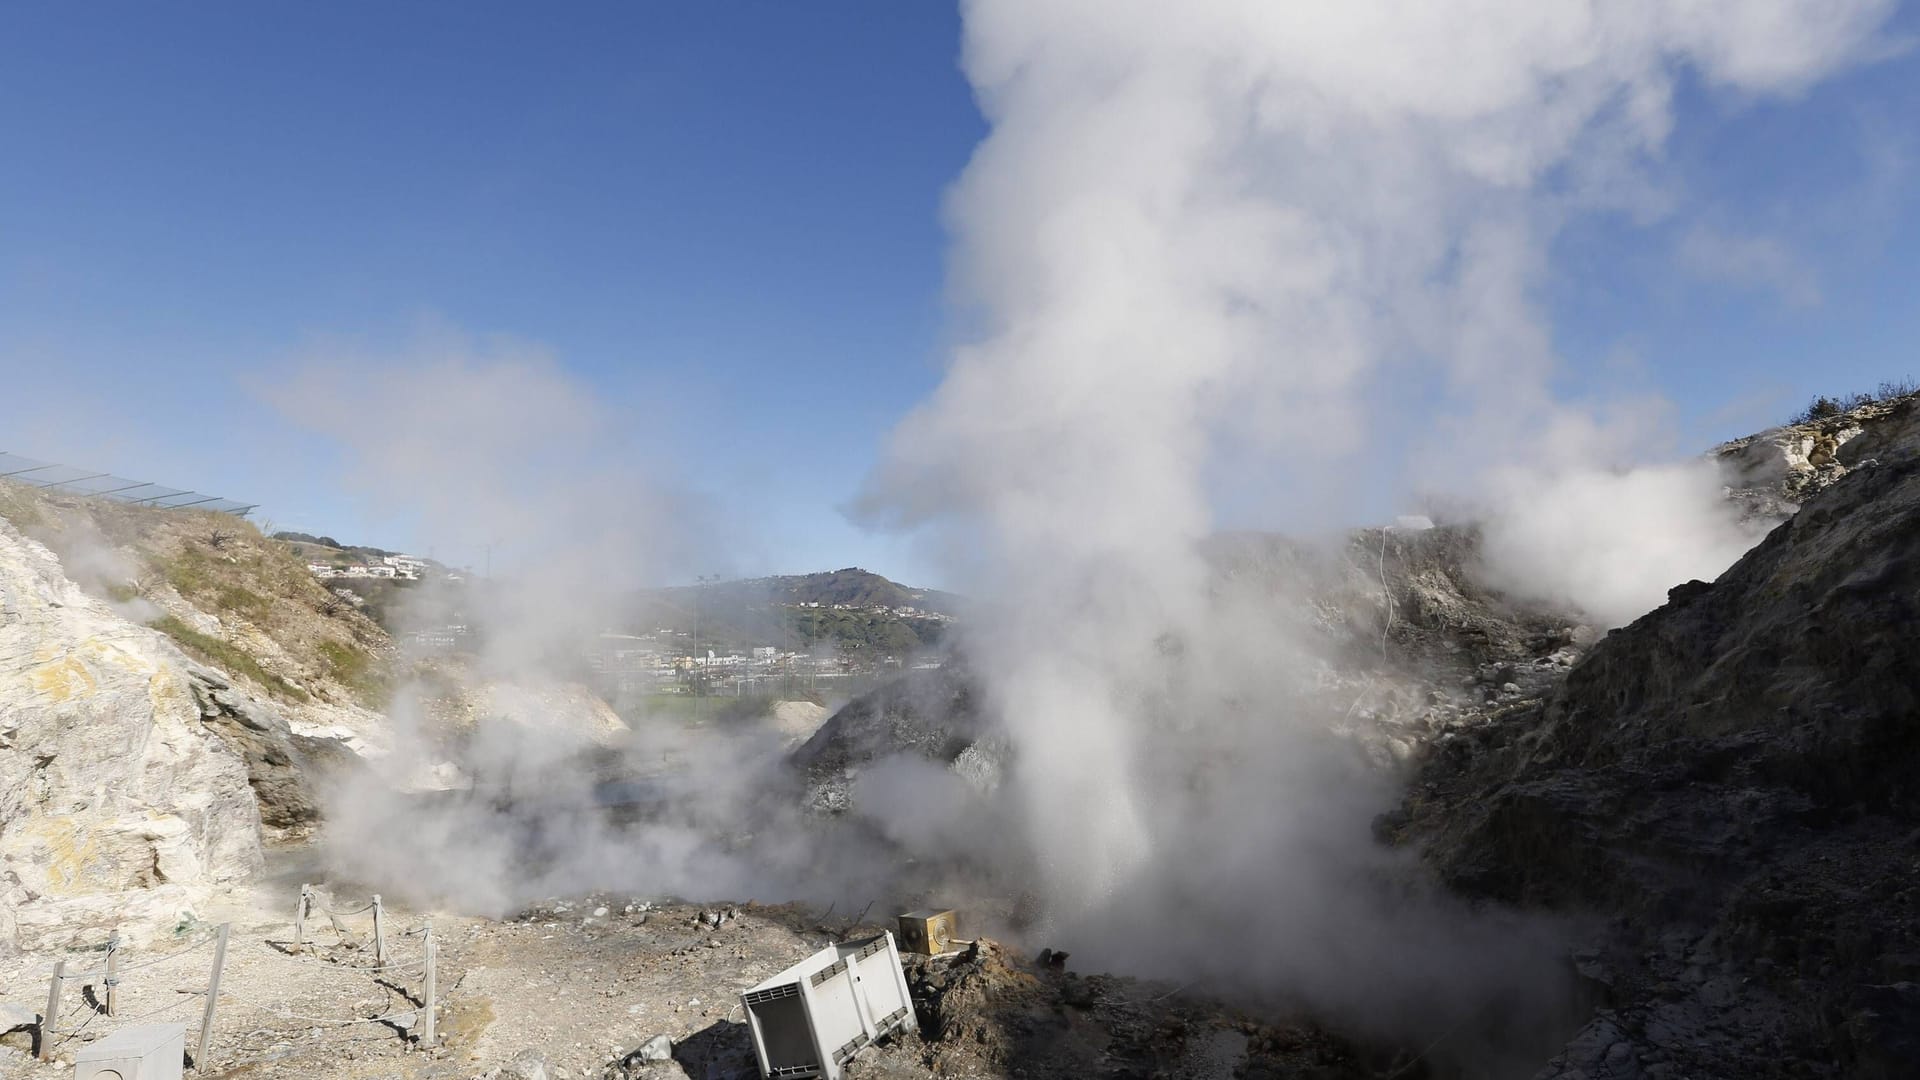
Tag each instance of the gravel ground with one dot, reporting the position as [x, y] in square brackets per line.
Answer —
[570, 989]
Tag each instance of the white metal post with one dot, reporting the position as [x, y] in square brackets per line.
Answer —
[111, 997]
[52, 1016]
[427, 1035]
[213, 998]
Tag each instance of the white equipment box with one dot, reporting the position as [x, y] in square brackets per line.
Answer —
[142, 1052]
[811, 1019]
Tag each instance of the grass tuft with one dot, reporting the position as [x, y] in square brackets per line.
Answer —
[225, 656]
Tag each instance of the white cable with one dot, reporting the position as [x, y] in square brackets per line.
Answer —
[1385, 591]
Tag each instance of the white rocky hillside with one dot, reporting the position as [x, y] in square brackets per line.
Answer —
[120, 801]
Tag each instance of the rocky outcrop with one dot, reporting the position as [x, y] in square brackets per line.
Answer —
[118, 805]
[932, 714]
[1415, 642]
[1734, 780]
[285, 769]
[1412, 644]
[1772, 472]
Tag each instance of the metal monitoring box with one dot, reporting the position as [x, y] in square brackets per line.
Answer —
[144, 1052]
[929, 932]
[811, 1019]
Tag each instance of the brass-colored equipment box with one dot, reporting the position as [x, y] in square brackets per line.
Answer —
[929, 932]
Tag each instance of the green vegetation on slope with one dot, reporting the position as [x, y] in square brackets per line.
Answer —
[849, 608]
[280, 628]
[225, 656]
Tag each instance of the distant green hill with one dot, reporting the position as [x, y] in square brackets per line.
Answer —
[849, 608]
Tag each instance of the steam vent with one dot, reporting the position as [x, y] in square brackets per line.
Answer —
[967, 540]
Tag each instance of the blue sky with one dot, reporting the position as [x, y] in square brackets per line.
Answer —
[724, 220]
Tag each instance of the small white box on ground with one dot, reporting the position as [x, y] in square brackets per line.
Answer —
[142, 1052]
[811, 1019]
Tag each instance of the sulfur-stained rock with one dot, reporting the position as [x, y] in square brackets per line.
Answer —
[117, 805]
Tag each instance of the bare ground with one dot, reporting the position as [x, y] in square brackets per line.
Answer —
[583, 983]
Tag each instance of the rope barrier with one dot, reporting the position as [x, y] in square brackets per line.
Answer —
[69, 1036]
[415, 968]
[124, 968]
[287, 1013]
[185, 999]
[393, 977]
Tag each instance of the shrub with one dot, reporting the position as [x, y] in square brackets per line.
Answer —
[1824, 407]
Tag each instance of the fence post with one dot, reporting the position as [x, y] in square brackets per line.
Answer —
[53, 1010]
[427, 1035]
[213, 998]
[113, 972]
[300, 918]
[379, 933]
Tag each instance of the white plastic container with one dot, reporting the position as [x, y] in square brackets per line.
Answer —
[811, 1019]
[141, 1052]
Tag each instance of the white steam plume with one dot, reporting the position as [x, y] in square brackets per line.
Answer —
[1221, 224]
[489, 441]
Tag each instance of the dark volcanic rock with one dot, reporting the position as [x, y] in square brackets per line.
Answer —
[1735, 778]
[283, 768]
[932, 713]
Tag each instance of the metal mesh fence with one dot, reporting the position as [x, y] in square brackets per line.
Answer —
[78, 481]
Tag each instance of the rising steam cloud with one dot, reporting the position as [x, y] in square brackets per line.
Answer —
[1197, 240]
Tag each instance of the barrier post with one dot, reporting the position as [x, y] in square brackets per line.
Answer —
[300, 918]
[112, 996]
[379, 932]
[427, 1035]
[213, 998]
[53, 1010]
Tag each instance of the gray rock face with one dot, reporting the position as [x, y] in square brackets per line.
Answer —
[1736, 777]
[1416, 646]
[118, 805]
[282, 768]
[932, 714]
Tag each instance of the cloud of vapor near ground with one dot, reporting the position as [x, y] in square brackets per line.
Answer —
[1230, 219]
[491, 441]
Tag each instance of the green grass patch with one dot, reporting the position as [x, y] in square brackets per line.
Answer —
[227, 657]
[189, 573]
[244, 601]
[356, 670]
